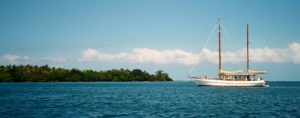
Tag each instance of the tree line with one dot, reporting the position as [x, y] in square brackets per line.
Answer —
[29, 73]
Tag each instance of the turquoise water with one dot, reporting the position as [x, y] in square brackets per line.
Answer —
[147, 99]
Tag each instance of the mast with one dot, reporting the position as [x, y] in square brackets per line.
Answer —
[219, 40]
[247, 49]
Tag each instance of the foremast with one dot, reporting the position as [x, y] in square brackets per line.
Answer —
[219, 42]
[251, 72]
[247, 40]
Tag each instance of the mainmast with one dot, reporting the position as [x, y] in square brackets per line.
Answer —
[247, 49]
[219, 34]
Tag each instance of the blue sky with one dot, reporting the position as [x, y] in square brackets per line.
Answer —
[151, 34]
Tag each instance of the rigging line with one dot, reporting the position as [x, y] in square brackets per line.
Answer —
[204, 46]
[229, 42]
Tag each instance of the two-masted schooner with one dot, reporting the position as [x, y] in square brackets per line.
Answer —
[232, 78]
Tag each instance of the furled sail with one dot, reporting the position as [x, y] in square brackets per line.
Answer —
[223, 72]
[252, 72]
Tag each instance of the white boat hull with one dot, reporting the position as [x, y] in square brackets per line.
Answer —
[210, 82]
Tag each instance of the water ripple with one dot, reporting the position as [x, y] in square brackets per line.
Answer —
[147, 99]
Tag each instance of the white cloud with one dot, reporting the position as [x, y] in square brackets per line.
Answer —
[142, 55]
[13, 58]
[55, 59]
[178, 56]
[26, 57]
[295, 50]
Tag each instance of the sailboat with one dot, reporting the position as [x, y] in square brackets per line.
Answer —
[232, 78]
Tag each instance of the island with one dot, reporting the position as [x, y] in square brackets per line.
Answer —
[29, 73]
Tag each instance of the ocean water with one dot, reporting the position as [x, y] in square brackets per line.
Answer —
[147, 99]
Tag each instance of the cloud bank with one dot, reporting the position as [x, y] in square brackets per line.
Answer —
[181, 57]
[290, 54]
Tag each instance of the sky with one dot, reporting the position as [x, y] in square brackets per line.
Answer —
[176, 36]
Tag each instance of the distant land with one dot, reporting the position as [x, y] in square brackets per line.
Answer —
[29, 73]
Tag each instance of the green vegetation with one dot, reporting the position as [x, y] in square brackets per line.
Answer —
[28, 73]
